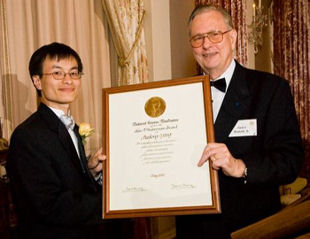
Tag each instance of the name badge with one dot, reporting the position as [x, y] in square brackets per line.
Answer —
[243, 128]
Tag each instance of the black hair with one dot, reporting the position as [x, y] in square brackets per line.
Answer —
[54, 50]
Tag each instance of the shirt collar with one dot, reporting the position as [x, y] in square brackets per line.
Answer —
[228, 73]
[58, 112]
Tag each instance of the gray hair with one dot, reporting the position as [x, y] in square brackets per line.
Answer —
[207, 8]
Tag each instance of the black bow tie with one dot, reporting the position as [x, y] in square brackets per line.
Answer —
[219, 84]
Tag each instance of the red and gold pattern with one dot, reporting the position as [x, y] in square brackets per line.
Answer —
[291, 44]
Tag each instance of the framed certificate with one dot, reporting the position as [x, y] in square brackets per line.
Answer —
[154, 135]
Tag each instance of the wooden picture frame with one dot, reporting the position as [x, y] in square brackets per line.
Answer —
[154, 134]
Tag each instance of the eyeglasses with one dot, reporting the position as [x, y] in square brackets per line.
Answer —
[60, 75]
[214, 37]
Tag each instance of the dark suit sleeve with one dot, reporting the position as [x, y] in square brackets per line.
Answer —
[42, 185]
[279, 154]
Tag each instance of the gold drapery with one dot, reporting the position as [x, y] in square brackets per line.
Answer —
[6, 114]
[126, 20]
[292, 60]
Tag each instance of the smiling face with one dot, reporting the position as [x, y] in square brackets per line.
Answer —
[58, 93]
[214, 58]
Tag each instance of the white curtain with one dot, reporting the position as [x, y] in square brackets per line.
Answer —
[26, 26]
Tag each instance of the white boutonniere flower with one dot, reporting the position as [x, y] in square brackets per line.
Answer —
[85, 131]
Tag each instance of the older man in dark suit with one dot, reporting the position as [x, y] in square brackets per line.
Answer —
[258, 144]
[53, 185]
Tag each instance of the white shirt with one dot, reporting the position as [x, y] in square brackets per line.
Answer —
[217, 95]
[70, 131]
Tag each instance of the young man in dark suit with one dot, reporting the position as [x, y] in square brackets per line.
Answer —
[258, 144]
[53, 185]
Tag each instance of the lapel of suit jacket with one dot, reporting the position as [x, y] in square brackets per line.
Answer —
[57, 126]
[83, 158]
[236, 101]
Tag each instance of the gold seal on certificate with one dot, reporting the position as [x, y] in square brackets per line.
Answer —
[155, 107]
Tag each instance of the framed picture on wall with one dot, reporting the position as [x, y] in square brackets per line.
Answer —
[154, 135]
